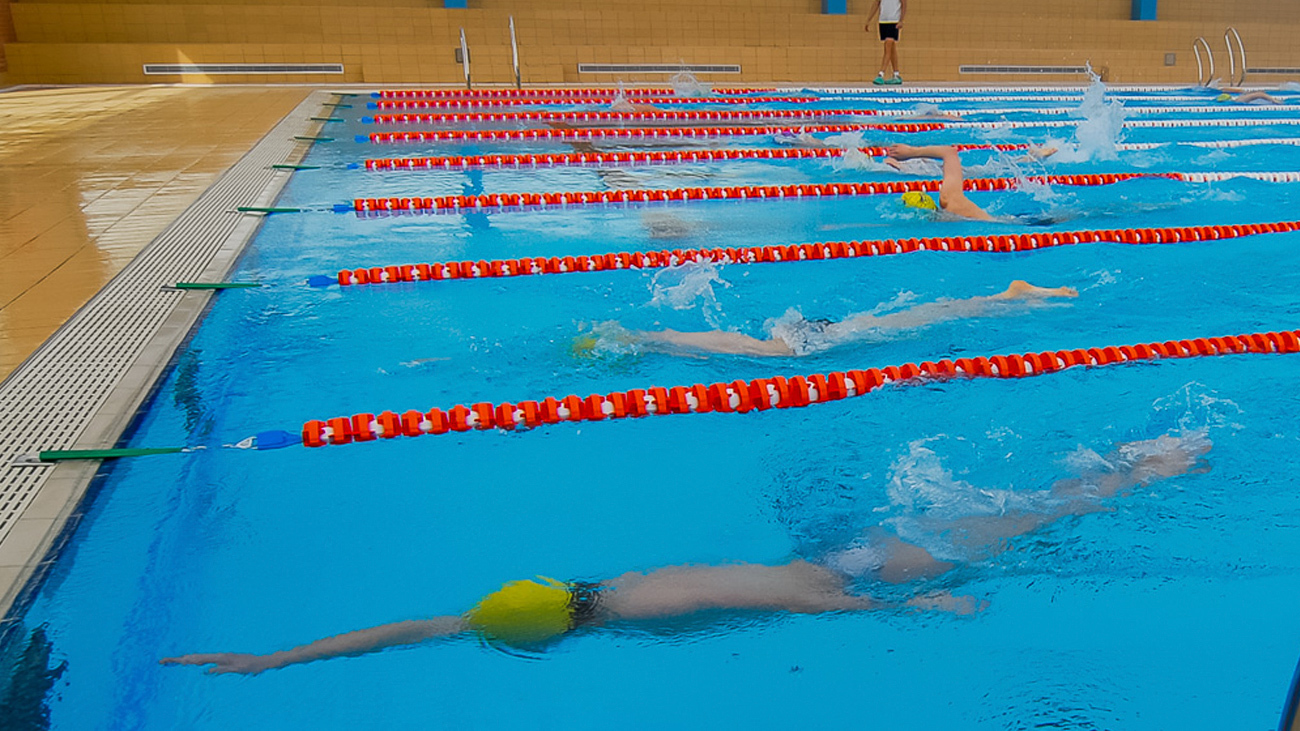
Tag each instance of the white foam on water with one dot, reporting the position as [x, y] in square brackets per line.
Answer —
[688, 287]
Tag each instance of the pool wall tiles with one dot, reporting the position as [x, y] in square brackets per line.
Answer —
[414, 41]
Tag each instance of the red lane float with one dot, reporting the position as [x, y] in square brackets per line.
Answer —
[600, 133]
[583, 91]
[690, 115]
[738, 192]
[796, 252]
[655, 156]
[462, 103]
[762, 394]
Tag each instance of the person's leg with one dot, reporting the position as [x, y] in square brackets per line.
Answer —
[714, 341]
[884, 61]
[891, 46]
[930, 313]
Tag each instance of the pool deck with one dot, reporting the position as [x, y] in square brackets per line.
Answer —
[107, 195]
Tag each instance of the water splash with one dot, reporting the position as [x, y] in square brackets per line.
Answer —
[1194, 407]
[1289, 86]
[689, 286]
[1100, 132]
[620, 103]
[685, 84]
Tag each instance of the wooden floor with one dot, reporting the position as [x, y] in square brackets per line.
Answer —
[90, 175]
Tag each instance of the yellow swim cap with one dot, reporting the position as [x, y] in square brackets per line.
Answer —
[524, 612]
[584, 346]
[1223, 98]
[917, 199]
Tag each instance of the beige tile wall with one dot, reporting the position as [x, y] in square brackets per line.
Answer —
[413, 41]
[7, 34]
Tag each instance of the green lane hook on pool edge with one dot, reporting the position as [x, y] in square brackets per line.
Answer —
[62, 454]
[304, 138]
[216, 285]
[286, 166]
[325, 119]
[337, 105]
[262, 209]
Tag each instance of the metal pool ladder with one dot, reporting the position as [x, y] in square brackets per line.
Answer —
[1201, 78]
[1232, 72]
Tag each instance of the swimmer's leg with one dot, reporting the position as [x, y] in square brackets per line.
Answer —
[930, 313]
[714, 341]
[1020, 290]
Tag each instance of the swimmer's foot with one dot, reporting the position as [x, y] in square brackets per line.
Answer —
[1020, 289]
[1042, 152]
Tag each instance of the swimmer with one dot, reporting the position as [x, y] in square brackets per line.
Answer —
[952, 195]
[805, 337]
[532, 613]
[1249, 97]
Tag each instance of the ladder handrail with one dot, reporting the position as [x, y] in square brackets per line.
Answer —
[1242, 48]
[1201, 78]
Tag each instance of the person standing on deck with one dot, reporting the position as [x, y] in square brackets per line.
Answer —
[892, 13]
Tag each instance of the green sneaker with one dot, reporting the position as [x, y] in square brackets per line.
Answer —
[898, 80]
[880, 79]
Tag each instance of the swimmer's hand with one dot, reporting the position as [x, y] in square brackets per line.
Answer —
[224, 662]
[943, 601]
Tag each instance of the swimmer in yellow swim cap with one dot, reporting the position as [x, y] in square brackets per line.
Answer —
[952, 194]
[1249, 97]
[917, 199]
[535, 612]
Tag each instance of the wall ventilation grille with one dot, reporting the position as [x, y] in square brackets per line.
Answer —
[651, 68]
[172, 69]
[1292, 71]
[1051, 70]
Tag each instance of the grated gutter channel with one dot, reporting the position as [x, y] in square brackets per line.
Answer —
[81, 388]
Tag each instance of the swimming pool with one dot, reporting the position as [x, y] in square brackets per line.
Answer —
[1167, 609]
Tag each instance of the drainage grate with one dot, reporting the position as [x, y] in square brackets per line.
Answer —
[172, 69]
[1049, 70]
[80, 388]
[1291, 71]
[652, 68]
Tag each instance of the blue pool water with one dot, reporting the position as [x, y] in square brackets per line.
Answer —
[1172, 608]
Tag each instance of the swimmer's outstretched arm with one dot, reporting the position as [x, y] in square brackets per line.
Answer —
[713, 341]
[359, 642]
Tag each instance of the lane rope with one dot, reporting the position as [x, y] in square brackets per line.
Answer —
[762, 394]
[416, 204]
[458, 162]
[609, 91]
[602, 133]
[607, 115]
[706, 115]
[639, 260]
[389, 104]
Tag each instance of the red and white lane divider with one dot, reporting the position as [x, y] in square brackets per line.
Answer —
[1215, 144]
[458, 162]
[636, 260]
[688, 115]
[763, 192]
[762, 394]
[1130, 123]
[608, 91]
[387, 104]
[616, 133]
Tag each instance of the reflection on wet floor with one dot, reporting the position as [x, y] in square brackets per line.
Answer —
[90, 175]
